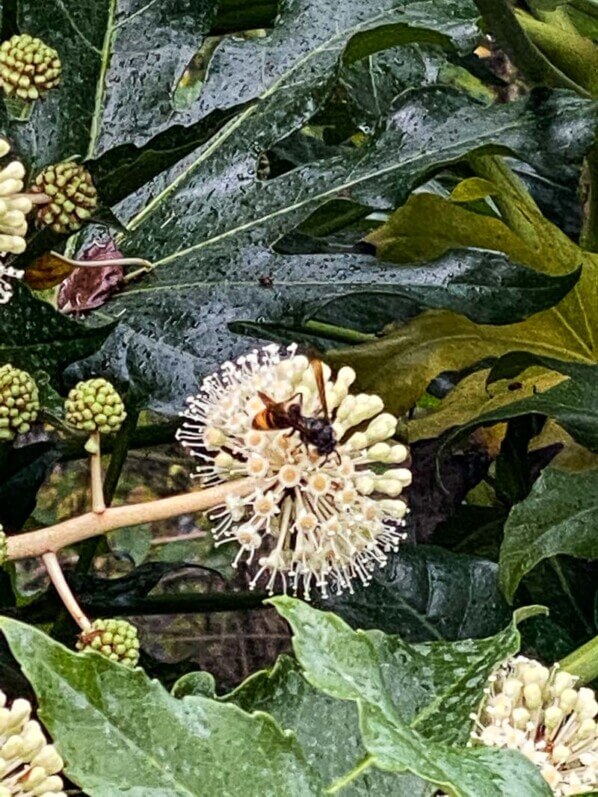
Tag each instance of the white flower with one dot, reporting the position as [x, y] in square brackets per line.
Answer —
[14, 207]
[28, 764]
[544, 715]
[315, 520]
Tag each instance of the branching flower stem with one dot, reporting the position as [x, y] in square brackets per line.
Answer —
[54, 538]
[57, 578]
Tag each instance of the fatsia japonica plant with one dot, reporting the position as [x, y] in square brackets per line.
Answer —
[298, 398]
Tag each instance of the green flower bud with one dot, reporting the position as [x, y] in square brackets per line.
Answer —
[95, 406]
[28, 67]
[115, 639]
[19, 402]
[73, 197]
[3, 546]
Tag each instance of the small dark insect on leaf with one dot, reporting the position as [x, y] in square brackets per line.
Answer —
[266, 280]
[515, 386]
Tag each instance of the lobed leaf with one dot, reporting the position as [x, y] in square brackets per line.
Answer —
[119, 731]
[558, 517]
[414, 701]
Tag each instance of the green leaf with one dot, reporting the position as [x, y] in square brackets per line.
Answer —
[428, 225]
[120, 64]
[22, 473]
[481, 285]
[427, 593]
[133, 542]
[178, 312]
[130, 736]
[433, 342]
[474, 398]
[327, 729]
[558, 517]
[414, 701]
[572, 403]
[369, 85]
[34, 336]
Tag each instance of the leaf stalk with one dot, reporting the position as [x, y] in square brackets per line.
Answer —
[583, 662]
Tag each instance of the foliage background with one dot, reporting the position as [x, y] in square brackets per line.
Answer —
[405, 185]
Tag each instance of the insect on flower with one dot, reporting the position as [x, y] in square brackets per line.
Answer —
[326, 510]
[314, 431]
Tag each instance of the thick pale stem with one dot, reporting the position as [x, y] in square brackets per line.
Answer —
[98, 505]
[62, 588]
[69, 532]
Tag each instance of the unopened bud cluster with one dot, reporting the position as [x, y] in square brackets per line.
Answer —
[95, 406]
[116, 639]
[19, 401]
[28, 764]
[73, 197]
[543, 714]
[28, 67]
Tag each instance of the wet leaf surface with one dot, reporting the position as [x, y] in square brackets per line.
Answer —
[327, 729]
[119, 731]
[414, 701]
[427, 593]
[558, 517]
[176, 313]
[34, 336]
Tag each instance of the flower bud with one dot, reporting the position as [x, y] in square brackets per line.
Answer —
[28, 67]
[95, 406]
[73, 197]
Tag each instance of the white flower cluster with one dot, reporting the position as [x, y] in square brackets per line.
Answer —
[28, 764]
[315, 520]
[14, 207]
[540, 712]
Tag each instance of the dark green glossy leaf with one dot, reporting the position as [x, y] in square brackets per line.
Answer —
[34, 336]
[427, 593]
[327, 729]
[558, 517]
[481, 285]
[120, 65]
[22, 473]
[177, 315]
[414, 701]
[132, 737]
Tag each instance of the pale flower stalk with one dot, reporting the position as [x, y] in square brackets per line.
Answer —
[315, 521]
[28, 764]
[543, 714]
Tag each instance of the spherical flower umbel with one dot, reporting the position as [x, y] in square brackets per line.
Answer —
[315, 520]
[543, 714]
[117, 640]
[28, 764]
[95, 406]
[19, 401]
[28, 67]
